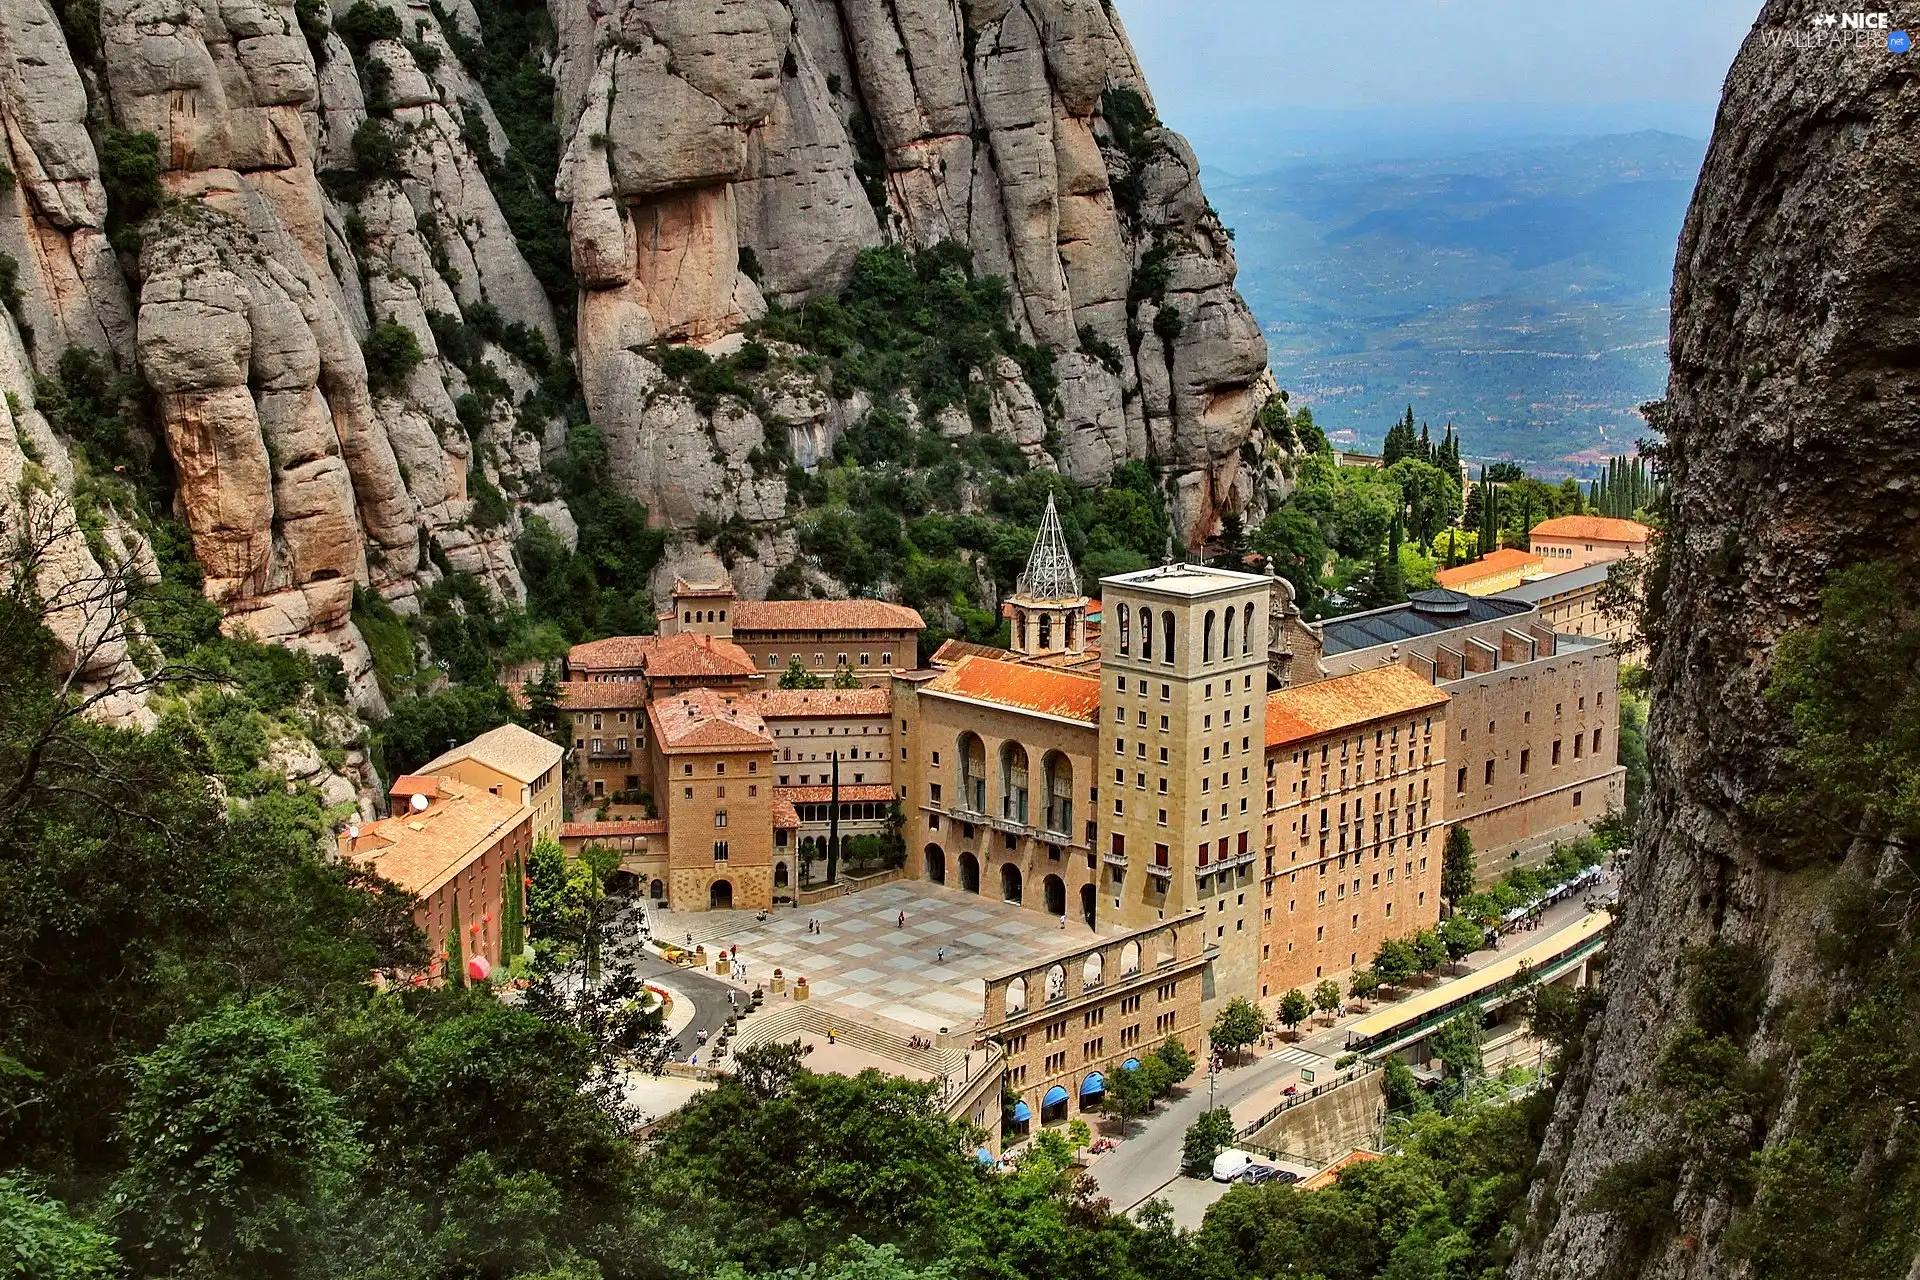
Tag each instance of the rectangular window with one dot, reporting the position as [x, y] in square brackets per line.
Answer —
[1488, 780]
[1460, 782]
[719, 850]
[1526, 758]
[1556, 751]
[719, 817]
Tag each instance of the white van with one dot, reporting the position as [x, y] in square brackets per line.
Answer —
[1230, 1164]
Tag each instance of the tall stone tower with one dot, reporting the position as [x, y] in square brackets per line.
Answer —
[1184, 660]
[1049, 613]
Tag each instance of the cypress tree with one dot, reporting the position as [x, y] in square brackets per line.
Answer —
[514, 913]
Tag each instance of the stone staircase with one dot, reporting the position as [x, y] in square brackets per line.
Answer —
[800, 1019]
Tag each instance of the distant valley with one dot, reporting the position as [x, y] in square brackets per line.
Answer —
[1520, 293]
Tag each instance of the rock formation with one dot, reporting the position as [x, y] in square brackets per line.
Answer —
[1793, 386]
[716, 159]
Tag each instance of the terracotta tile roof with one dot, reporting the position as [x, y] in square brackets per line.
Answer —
[1505, 560]
[782, 704]
[420, 850]
[785, 816]
[693, 655]
[823, 615]
[951, 651]
[1024, 688]
[703, 720]
[416, 784]
[519, 753]
[615, 828]
[1602, 528]
[682, 587]
[615, 653]
[850, 793]
[1327, 706]
[601, 695]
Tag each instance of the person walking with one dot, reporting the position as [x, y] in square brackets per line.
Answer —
[901, 923]
[830, 1034]
[939, 955]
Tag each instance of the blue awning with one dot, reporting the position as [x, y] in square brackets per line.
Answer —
[1131, 1064]
[1055, 1094]
[983, 1155]
[1094, 1083]
[1022, 1112]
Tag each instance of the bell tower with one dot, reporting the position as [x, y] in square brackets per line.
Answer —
[1049, 613]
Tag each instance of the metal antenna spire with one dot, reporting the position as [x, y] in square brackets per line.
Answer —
[1050, 573]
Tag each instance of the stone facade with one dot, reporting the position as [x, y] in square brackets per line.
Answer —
[1068, 1024]
[869, 638]
[1355, 823]
[712, 761]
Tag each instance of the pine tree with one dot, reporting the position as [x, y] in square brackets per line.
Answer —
[1426, 445]
[1401, 441]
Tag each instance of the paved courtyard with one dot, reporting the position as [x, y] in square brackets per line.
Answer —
[864, 959]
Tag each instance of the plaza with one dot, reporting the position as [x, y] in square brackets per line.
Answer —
[863, 959]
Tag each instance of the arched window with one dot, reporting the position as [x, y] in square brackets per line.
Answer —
[1059, 774]
[1013, 782]
[1166, 626]
[1246, 632]
[1046, 633]
[1146, 634]
[973, 773]
[1226, 634]
[1126, 630]
[1206, 638]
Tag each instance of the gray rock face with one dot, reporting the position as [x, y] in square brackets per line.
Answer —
[1793, 303]
[697, 132]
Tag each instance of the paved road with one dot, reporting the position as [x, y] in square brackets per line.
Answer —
[708, 993]
[1150, 1155]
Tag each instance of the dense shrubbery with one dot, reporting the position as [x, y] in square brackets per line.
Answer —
[1524, 887]
[392, 353]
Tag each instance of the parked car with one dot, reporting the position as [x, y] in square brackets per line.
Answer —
[1230, 1164]
[1256, 1174]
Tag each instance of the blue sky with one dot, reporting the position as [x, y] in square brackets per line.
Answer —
[1619, 64]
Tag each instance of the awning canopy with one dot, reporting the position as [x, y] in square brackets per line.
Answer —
[1056, 1094]
[983, 1155]
[1022, 1112]
[1094, 1083]
[1131, 1064]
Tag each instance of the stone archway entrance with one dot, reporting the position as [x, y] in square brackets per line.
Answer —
[779, 875]
[936, 864]
[1054, 892]
[1010, 886]
[720, 896]
[1086, 904]
[657, 890]
[969, 873]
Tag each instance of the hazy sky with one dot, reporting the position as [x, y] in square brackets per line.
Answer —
[1205, 58]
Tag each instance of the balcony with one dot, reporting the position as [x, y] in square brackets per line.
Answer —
[1113, 859]
[609, 756]
[1160, 871]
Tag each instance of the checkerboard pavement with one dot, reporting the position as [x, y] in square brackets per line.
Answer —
[863, 958]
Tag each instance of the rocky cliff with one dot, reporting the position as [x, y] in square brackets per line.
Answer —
[337, 284]
[1690, 1142]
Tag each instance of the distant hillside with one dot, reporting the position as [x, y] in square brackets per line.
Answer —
[1520, 293]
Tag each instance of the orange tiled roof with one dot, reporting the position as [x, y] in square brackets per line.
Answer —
[693, 655]
[420, 850]
[1327, 706]
[617, 827]
[1601, 528]
[851, 793]
[785, 816]
[779, 704]
[951, 651]
[682, 587]
[601, 695]
[613, 653]
[702, 720]
[415, 784]
[1022, 687]
[1505, 560]
[823, 615]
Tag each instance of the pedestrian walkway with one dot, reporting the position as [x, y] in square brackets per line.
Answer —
[927, 971]
[1299, 1057]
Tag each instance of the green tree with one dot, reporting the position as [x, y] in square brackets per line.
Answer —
[1396, 961]
[237, 1153]
[1295, 1008]
[1457, 866]
[1457, 1044]
[1326, 996]
[1363, 983]
[1404, 1096]
[844, 678]
[1461, 936]
[40, 1240]
[796, 676]
[421, 727]
[1131, 1093]
[1176, 1060]
[1210, 1134]
[1238, 1024]
[1291, 540]
[1401, 441]
[1430, 953]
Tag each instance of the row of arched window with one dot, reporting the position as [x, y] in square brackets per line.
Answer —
[1057, 783]
[1216, 624]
